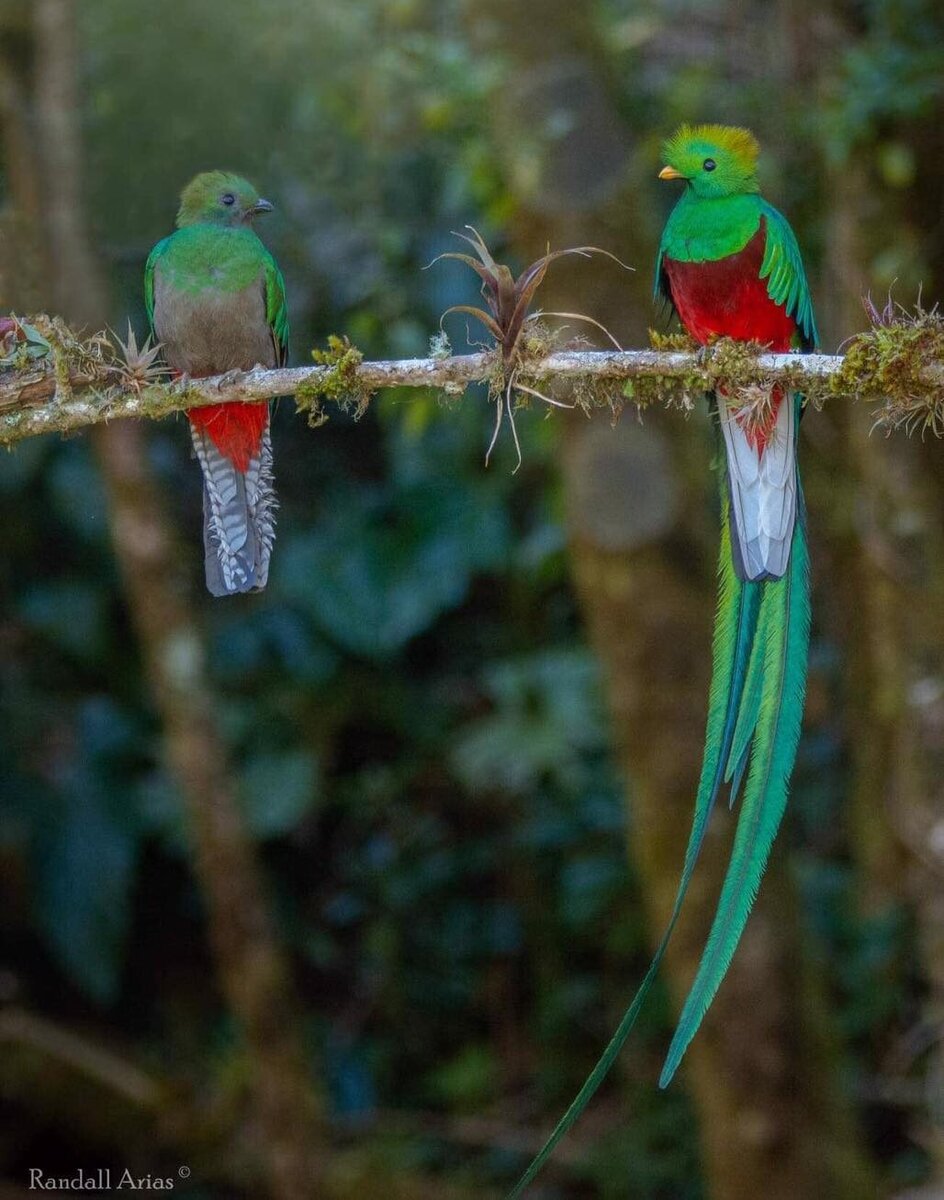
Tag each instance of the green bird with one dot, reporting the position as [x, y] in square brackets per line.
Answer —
[216, 302]
[730, 266]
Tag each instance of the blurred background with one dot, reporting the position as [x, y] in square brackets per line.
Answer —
[338, 891]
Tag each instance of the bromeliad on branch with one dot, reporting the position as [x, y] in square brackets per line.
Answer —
[730, 266]
[509, 312]
[216, 301]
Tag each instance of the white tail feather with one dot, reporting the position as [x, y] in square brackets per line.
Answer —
[763, 492]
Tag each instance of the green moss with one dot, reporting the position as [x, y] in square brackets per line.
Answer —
[669, 391]
[723, 363]
[892, 363]
[537, 341]
[152, 399]
[339, 383]
[676, 340]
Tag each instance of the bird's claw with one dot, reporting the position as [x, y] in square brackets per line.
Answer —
[226, 379]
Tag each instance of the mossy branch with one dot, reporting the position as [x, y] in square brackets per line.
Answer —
[53, 381]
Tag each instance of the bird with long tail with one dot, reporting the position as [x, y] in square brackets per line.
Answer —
[730, 266]
[215, 298]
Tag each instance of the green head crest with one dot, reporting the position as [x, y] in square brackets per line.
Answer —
[715, 160]
[220, 198]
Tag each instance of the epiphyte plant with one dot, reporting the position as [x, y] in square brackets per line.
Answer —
[508, 303]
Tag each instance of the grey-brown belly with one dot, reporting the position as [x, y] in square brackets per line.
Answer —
[208, 332]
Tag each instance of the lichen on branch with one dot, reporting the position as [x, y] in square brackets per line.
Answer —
[340, 383]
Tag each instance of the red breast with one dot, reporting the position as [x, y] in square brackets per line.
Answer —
[726, 297]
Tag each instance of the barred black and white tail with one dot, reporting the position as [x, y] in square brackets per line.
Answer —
[238, 517]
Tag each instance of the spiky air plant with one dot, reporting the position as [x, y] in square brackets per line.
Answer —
[139, 366]
[508, 301]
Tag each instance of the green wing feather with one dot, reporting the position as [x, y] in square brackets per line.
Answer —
[660, 288]
[149, 279]
[783, 630]
[782, 267]
[276, 308]
[737, 616]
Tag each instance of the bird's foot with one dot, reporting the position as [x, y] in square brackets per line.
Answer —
[227, 378]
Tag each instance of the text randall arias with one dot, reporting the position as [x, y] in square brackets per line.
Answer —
[104, 1180]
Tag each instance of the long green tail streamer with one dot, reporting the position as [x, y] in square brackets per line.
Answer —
[737, 616]
[755, 711]
[783, 632]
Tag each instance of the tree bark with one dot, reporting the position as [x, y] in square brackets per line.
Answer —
[891, 589]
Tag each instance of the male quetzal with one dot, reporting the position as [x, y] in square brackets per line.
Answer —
[730, 266]
[216, 301]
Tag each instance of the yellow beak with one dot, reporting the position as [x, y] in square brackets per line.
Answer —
[670, 173]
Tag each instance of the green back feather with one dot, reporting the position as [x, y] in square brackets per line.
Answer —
[149, 267]
[783, 630]
[750, 705]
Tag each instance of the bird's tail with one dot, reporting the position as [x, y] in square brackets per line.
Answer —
[755, 707]
[763, 485]
[766, 736]
[238, 507]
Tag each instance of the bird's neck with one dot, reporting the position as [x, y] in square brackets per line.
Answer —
[702, 229]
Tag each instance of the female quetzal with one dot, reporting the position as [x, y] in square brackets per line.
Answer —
[216, 301]
[730, 266]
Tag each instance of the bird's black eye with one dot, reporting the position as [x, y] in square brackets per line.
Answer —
[709, 164]
[228, 199]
